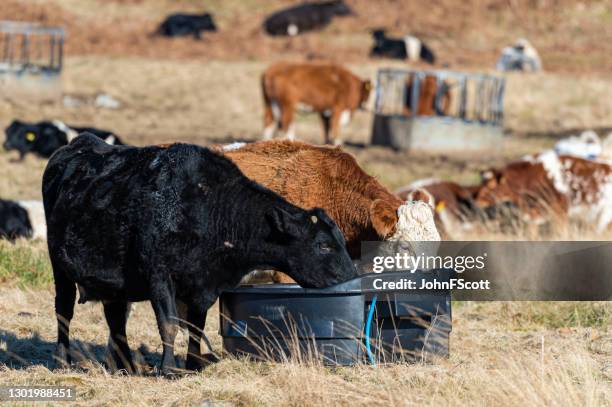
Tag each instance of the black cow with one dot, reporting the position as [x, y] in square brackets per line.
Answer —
[171, 224]
[181, 25]
[305, 17]
[14, 221]
[43, 138]
[408, 47]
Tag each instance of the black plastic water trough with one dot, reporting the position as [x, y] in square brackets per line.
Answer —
[344, 324]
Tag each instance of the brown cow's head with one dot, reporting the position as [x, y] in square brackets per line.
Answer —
[494, 189]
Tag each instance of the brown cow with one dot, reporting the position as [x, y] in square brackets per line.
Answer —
[433, 99]
[329, 178]
[535, 186]
[330, 90]
[455, 208]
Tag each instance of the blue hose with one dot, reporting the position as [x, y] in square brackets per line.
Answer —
[368, 329]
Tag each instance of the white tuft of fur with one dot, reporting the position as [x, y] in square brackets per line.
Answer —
[36, 213]
[416, 228]
[71, 134]
[554, 170]
[587, 145]
[293, 30]
[415, 223]
[413, 47]
[233, 146]
[345, 117]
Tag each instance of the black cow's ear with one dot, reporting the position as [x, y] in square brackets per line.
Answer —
[284, 222]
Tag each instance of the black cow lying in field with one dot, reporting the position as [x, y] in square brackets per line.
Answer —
[43, 138]
[305, 17]
[14, 221]
[181, 25]
[409, 47]
[168, 225]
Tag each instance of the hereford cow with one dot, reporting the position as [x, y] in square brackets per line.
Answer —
[305, 17]
[180, 25]
[454, 205]
[327, 89]
[168, 225]
[537, 186]
[434, 97]
[312, 176]
[43, 138]
[409, 47]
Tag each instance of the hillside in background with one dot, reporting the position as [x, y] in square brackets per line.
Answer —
[570, 35]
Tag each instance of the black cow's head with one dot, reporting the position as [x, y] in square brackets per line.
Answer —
[379, 35]
[41, 138]
[207, 23]
[14, 221]
[340, 8]
[314, 248]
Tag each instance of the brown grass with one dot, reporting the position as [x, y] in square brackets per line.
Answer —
[501, 354]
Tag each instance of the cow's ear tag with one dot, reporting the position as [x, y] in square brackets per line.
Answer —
[314, 219]
[440, 206]
[30, 136]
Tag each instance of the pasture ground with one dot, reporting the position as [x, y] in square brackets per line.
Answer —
[207, 92]
[502, 354]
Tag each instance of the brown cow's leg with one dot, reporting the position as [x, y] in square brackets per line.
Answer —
[287, 121]
[269, 121]
[335, 128]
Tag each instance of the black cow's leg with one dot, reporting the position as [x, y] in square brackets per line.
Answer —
[196, 321]
[116, 314]
[65, 295]
[164, 306]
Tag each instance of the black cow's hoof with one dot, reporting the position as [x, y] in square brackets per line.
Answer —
[198, 363]
[62, 358]
[172, 373]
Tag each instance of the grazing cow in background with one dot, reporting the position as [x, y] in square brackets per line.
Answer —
[434, 97]
[305, 17]
[409, 47]
[43, 138]
[521, 56]
[14, 221]
[181, 25]
[313, 176]
[455, 208]
[327, 89]
[170, 225]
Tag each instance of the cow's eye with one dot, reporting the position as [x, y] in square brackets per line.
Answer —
[324, 248]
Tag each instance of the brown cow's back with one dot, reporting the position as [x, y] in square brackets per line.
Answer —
[314, 176]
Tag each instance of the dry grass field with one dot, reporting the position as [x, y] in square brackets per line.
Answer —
[204, 92]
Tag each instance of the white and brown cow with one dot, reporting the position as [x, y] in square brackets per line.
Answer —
[328, 89]
[548, 187]
[454, 204]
